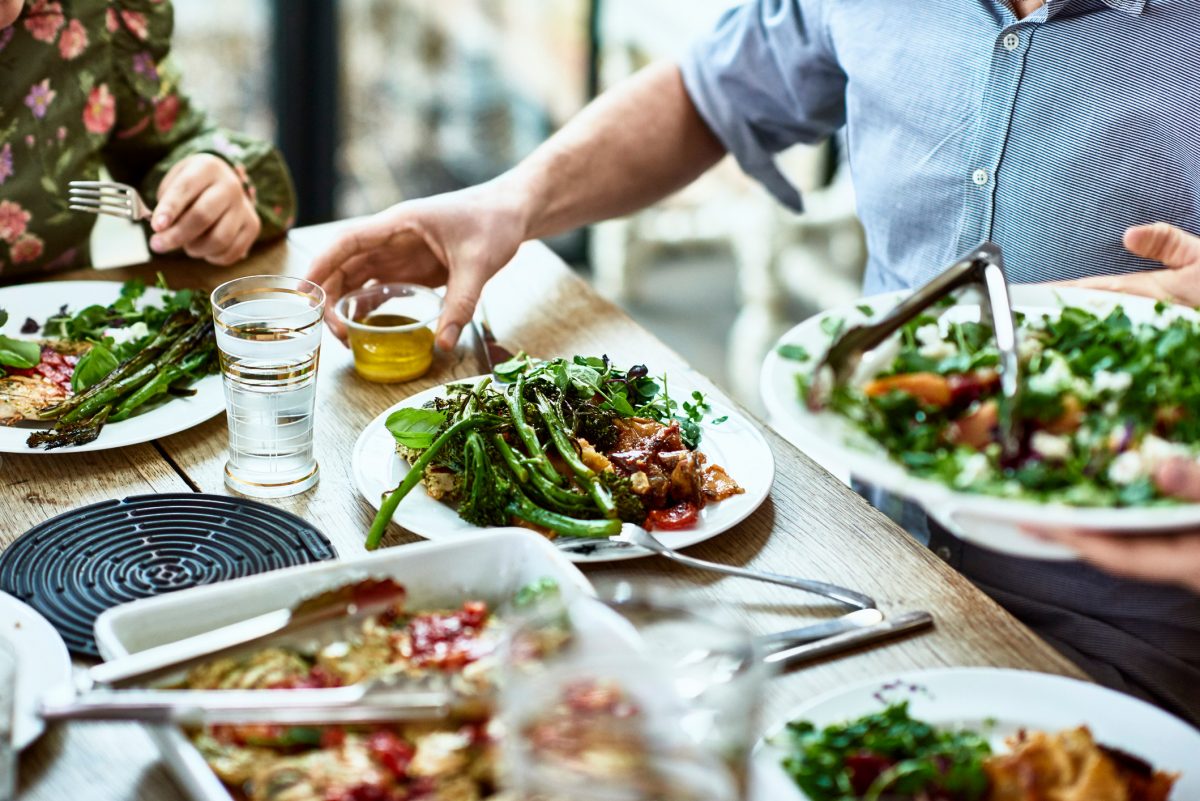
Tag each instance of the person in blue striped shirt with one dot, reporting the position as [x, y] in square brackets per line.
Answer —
[1057, 128]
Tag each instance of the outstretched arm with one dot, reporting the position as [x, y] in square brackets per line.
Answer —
[634, 145]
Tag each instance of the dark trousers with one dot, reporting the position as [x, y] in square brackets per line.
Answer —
[1142, 639]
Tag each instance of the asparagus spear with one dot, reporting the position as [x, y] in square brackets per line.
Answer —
[170, 330]
[80, 433]
[584, 475]
[160, 383]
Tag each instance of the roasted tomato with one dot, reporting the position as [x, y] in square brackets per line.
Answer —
[391, 751]
[683, 515]
[929, 388]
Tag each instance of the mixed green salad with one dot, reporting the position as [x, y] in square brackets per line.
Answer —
[1104, 401]
[571, 447]
[888, 754]
[107, 362]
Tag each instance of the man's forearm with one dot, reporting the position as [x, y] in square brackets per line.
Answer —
[636, 144]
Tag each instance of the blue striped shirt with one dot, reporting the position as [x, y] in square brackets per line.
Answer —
[1049, 135]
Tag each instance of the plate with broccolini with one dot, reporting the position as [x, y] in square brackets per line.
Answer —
[91, 365]
[977, 734]
[1110, 393]
[570, 448]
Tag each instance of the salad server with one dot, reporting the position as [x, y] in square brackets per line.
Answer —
[982, 268]
[634, 536]
[378, 701]
[338, 608]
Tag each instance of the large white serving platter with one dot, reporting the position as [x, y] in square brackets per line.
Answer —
[43, 664]
[1013, 699]
[996, 523]
[43, 300]
[491, 566]
[736, 444]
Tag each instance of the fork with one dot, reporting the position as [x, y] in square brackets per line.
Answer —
[108, 197]
[633, 536]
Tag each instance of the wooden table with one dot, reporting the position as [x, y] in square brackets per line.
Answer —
[811, 525]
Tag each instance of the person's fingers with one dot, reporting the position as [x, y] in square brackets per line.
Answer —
[352, 242]
[462, 295]
[182, 185]
[216, 240]
[193, 223]
[236, 249]
[1163, 243]
[1167, 559]
[1179, 478]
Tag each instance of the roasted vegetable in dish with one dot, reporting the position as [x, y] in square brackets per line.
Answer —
[444, 760]
[570, 448]
[103, 364]
[890, 755]
[1104, 402]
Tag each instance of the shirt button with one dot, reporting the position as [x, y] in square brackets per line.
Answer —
[1012, 42]
[980, 177]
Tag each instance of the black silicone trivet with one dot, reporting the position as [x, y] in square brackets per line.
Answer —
[74, 566]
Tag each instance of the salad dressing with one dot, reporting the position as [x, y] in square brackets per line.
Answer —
[386, 355]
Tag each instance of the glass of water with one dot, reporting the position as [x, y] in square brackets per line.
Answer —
[632, 696]
[269, 335]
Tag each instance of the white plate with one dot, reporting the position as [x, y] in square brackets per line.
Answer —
[43, 664]
[736, 444]
[490, 566]
[43, 300]
[1014, 699]
[986, 520]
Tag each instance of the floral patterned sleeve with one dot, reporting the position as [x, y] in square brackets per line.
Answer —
[154, 125]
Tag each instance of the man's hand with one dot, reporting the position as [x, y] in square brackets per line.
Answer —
[1175, 249]
[459, 239]
[204, 209]
[1167, 559]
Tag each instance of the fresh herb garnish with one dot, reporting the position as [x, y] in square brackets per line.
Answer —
[885, 755]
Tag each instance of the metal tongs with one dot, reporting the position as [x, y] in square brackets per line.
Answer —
[109, 691]
[982, 268]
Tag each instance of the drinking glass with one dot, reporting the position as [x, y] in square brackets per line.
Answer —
[8, 700]
[632, 696]
[390, 327]
[269, 336]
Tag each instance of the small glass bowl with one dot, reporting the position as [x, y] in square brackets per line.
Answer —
[391, 330]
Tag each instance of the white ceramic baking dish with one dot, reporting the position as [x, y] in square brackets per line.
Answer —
[491, 566]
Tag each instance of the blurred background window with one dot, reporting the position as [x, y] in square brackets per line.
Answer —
[378, 101]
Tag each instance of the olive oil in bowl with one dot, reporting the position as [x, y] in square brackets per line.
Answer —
[390, 328]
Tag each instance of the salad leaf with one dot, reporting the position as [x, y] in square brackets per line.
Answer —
[415, 428]
[795, 353]
[92, 367]
[19, 353]
[3, 317]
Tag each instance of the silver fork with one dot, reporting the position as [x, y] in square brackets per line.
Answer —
[108, 197]
[633, 536]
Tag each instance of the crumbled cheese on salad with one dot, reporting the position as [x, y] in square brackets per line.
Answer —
[1126, 468]
[1055, 378]
[1105, 381]
[1051, 446]
[933, 346]
[132, 333]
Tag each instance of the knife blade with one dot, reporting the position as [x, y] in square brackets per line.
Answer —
[903, 624]
[491, 352]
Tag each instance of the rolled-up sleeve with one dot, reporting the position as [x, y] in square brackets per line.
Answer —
[766, 79]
